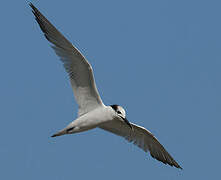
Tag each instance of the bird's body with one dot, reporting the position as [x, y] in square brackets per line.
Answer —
[90, 120]
[92, 112]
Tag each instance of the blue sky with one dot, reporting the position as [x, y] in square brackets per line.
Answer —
[159, 59]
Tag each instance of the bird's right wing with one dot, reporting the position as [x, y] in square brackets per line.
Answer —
[78, 68]
[142, 138]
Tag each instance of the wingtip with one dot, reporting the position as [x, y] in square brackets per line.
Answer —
[177, 166]
[180, 167]
[34, 9]
[31, 5]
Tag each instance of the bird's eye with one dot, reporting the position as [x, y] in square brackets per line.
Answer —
[118, 112]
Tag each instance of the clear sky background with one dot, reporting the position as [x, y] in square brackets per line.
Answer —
[159, 59]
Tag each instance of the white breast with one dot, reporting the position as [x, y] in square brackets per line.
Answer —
[93, 119]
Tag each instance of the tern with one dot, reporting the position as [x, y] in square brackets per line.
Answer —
[92, 113]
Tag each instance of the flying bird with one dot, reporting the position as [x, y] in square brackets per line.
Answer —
[92, 113]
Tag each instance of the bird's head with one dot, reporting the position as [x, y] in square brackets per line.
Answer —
[120, 113]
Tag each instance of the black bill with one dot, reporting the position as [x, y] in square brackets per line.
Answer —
[127, 122]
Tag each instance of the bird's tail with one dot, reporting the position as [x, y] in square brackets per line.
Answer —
[60, 133]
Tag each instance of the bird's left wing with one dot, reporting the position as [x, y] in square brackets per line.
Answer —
[78, 68]
[142, 138]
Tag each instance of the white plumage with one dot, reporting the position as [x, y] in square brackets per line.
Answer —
[92, 112]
